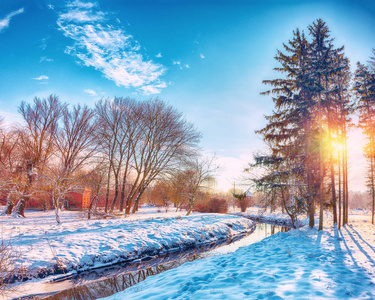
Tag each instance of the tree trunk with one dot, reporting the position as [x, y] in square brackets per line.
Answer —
[115, 196]
[333, 187]
[57, 215]
[339, 166]
[310, 198]
[122, 197]
[107, 192]
[373, 191]
[191, 205]
[136, 202]
[9, 205]
[344, 181]
[90, 206]
[123, 188]
[321, 166]
[21, 205]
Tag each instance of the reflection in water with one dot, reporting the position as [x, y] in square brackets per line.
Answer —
[108, 281]
[112, 285]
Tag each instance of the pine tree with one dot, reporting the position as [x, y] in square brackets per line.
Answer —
[290, 132]
[364, 88]
[309, 106]
[326, 63]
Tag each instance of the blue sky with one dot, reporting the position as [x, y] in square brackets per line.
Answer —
[206, 58]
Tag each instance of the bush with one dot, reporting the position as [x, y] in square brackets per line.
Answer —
[244, 203]
[213, 205]
[8, 273]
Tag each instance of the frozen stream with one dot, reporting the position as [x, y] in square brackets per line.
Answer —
[107, 281]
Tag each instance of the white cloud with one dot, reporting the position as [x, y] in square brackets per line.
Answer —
[43, 43]
[108, 49]
[4, 23]
[153, 89]
[44, 58]
[158, 55]
[91, 92]
[202, 56]
[180, 65]
[50, 6]
[79, 4]
[82, 16]
[41, 77]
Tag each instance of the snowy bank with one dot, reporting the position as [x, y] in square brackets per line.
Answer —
[272, 218]
[77, 244]
[299, 264]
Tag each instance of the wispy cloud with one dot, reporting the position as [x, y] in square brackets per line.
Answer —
[80, 4]
[4, 23]
[158, 55]
[41, 77]
[202, 56]
[50, 6]
[91, 92]
[153, 89]
[107, 48]
[180, 65]
[46, 59]
[177, 63]
[43, 43]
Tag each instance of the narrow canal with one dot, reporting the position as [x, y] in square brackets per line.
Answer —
[104, 282]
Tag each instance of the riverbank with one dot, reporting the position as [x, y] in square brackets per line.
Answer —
[299, 264]
[77, 244]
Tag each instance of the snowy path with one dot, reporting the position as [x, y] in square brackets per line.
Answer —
[299, 264]
[84, 244]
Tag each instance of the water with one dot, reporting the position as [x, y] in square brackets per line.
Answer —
[110, 280]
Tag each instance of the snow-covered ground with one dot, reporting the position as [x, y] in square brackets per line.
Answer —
[80, 244]
[299, 264]
[275, 217]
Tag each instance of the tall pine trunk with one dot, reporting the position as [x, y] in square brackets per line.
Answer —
[333, 187]
[371, 177]
[339, 167]
[346, 181]
[321, 166]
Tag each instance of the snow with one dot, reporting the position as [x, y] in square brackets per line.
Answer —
[79, 244]
[274, 217]
[299, 264]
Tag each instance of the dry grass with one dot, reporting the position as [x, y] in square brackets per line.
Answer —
[8, 273]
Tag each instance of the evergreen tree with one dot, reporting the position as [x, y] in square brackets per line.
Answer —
[364, 88]
[291, 132]
[309, 105]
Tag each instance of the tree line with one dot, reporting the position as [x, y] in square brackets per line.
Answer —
[314, 100]
[117, 149]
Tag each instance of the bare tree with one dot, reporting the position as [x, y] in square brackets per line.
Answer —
[165, 139]
[162, 193]
[119, 121]
[75, 144]
[36, 139]
[11, 168]
[95, 181]
[196, 177]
